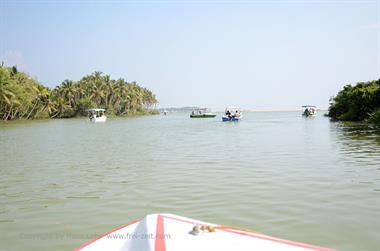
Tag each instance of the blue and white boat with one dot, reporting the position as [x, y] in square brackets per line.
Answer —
[232, 114]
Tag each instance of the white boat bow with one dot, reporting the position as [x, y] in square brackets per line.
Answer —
[167, 232]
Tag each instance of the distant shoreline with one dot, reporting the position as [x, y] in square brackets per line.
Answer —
[189, 109]
[275, 110]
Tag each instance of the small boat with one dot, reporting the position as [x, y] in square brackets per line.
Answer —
[97, 115]
[202, 113]
[169, 232]
[232, 114]
[309, 110]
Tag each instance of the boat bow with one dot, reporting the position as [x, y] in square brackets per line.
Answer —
[167, 232]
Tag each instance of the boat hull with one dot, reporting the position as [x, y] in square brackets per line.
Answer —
[231, 119]
[203, 116]
[98, 119]
[309, 114]
[167, 232]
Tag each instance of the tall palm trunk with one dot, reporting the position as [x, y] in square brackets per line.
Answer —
[9, 112]
[34, 107]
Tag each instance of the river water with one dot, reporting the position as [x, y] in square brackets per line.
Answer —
[64, 182]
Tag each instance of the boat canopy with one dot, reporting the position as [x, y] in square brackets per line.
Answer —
[231, 108]
[202, 109]
[96, 110]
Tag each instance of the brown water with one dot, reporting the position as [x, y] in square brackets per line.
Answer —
[64, 182]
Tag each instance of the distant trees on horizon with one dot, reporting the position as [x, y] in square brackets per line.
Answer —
[23, 97]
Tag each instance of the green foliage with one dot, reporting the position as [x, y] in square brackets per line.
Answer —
[23, 97]
[82, 105]
[374, 118]
[356, 103]
[20, 95]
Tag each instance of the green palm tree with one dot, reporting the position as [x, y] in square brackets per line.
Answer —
[49, 105]
[6, 82]
[61, 107]
[80, 91]
[97, 95]
[6, 95]
[41, 93]
[108, 87]
[68, 90]
[12, 108]
[23, 97]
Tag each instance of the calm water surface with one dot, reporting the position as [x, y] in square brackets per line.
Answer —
[63, 182]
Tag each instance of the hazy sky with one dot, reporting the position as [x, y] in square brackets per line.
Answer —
[252, 54]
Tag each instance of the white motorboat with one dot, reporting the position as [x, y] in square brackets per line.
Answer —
[97, 115]
[168, 232]
[202, 113]
[309, 110]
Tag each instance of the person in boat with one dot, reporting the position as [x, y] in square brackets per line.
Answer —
[228, 113]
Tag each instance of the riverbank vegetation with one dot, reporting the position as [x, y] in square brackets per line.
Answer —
[24, 97]
[360, 102]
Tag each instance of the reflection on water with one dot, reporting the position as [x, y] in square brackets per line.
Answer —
[305, 179]
[357, 142]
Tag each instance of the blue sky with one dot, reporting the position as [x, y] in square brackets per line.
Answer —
[252, 54]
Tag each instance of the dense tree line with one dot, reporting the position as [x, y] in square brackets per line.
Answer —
[23, 97]
[360, 102]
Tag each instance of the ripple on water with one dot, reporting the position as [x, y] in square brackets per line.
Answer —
[307, 180]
